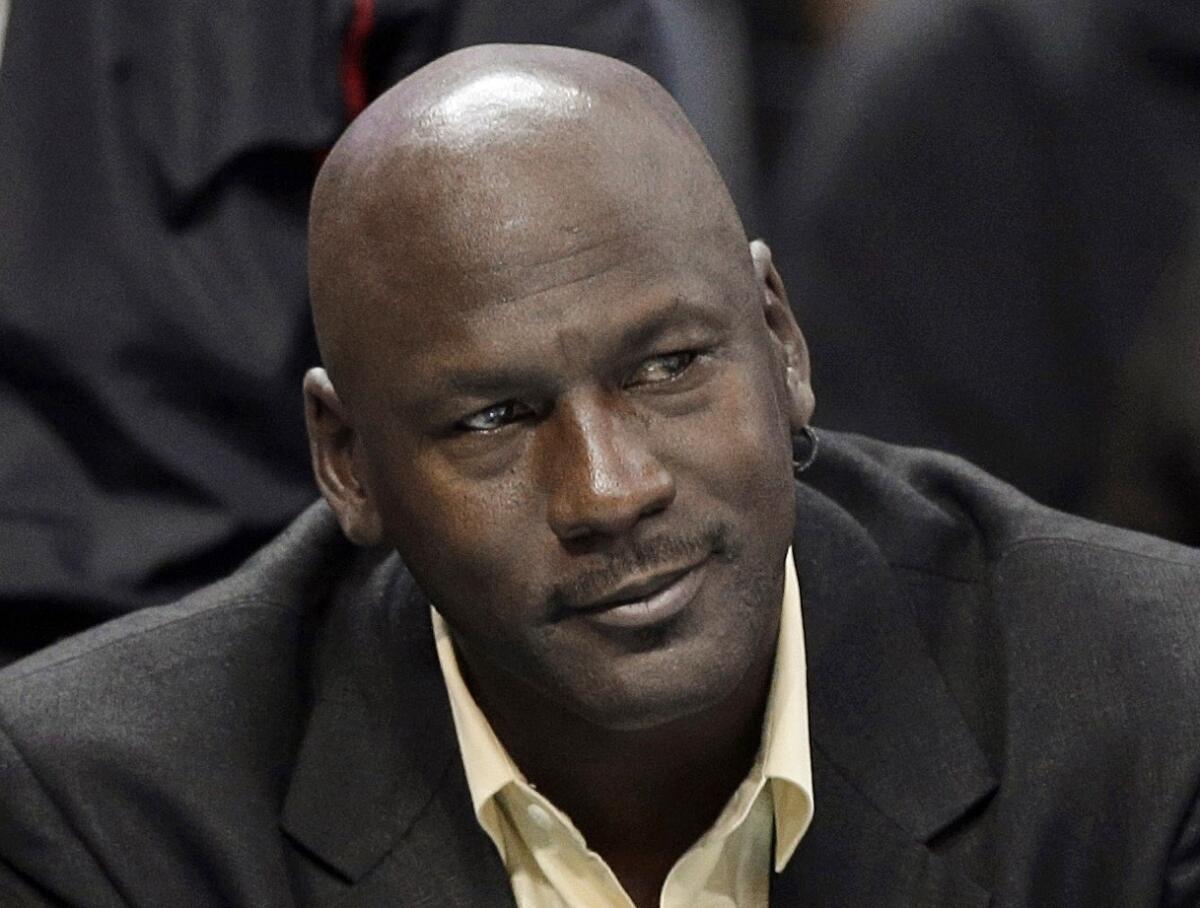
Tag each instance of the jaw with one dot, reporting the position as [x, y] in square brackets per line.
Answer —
[572, 674]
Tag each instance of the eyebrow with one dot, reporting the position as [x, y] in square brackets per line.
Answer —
[680, 312]
[645, 331]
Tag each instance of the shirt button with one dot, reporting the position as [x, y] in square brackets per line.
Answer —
[539, 816]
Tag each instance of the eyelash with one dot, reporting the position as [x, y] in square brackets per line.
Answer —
[689, 358]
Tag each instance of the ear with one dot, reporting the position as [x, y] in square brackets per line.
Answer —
[337, 461]
[786, 334]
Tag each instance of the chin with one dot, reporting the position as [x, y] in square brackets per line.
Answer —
[637, 704]
[701, 665]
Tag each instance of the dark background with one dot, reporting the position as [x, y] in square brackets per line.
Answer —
[985, 211]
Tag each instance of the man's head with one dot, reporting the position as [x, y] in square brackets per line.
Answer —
[558, 379]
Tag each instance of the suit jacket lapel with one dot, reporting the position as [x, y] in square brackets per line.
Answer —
[894, 760]
[378, 802]
[855, 855]
[442, 859]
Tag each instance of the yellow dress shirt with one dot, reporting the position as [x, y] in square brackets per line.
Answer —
[550, 865]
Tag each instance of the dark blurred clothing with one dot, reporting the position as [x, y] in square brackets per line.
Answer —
[155, 165]
[974, 209]
[1150, 479]
[153, 326]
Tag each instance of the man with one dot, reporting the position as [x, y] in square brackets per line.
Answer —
[568, 663]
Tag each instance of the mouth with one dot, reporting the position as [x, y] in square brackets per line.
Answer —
[645, 601]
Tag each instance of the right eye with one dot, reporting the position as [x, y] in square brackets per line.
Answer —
[495, 416]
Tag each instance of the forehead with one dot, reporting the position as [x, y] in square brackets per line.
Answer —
[480, 185]
[593, 302]
[498, 242]
[539, 200]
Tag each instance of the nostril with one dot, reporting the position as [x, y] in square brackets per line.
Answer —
[586, 543]
[656, 507]
[583, 513]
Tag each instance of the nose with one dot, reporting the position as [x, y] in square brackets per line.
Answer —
[602, 477]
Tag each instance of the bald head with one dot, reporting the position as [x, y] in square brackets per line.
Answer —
[472, 177]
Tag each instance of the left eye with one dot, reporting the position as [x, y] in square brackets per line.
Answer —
[494, 417]
[662, 368]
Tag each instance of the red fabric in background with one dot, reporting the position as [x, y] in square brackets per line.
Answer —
[354, 75]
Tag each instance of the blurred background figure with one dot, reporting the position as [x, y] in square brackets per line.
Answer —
[1150, 465]
[981, 213]
[741, 71]
[156, 160]
[981, 207]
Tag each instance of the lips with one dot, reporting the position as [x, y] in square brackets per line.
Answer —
[645, 601]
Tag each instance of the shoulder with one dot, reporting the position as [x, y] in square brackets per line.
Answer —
[1068, 647]
[216, 638]
[1056, 590]
[170, 718]
[912, 499]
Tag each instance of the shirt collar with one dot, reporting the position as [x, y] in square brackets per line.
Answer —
[784, 760]
[488, 766]
[786, 755]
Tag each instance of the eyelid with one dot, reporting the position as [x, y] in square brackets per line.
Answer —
[520, 409]
[692, 355]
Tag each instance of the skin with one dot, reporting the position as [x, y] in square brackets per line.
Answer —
[555, 368]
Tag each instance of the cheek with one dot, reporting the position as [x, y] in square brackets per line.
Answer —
[740, 446]
[465, 544]
[425, 502]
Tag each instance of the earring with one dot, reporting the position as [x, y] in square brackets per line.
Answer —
[814, 445]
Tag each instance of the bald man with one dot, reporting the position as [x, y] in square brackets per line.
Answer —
[565, 630]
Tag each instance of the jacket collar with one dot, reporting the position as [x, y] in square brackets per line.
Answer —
[378, 741]
[893, 760]
[879, 707]
[854, 854]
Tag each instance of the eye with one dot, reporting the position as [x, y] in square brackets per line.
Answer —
[494, 417]
[662, 368]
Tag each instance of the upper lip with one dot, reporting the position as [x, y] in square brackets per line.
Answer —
[638, 588]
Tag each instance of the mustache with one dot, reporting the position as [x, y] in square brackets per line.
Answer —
[641, 557]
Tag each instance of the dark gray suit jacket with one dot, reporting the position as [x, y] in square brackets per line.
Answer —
[1004, 710]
